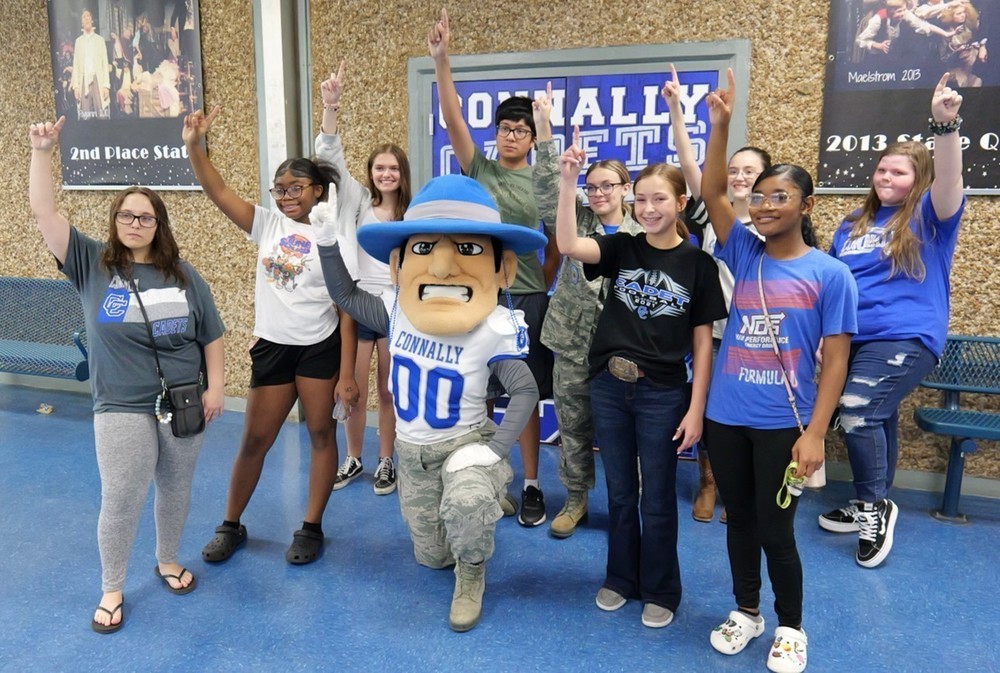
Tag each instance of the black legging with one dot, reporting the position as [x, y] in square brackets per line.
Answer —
[749, 467]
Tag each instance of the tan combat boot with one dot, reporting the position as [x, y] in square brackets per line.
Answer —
[572, 513]
[467, 601]
[704, 503]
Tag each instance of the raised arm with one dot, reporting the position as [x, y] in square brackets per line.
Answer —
[451, 108]
[714, 184]
[196, 125]
[569, 240]
[331, 90]
[41, 192]
[671, 93]
[946, 189]
[545, 176]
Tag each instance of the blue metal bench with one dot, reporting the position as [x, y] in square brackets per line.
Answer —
[969, 364]
[42, 329]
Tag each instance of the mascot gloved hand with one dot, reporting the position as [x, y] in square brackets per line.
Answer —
[471, 455]
[323, 219]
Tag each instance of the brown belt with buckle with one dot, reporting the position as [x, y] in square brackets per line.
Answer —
[624, 370]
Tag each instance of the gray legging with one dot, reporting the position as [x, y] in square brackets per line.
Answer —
[132, 450]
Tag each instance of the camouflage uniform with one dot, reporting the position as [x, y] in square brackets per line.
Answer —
[450, 515]
[569, 327]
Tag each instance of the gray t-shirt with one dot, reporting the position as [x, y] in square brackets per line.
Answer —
[183, 319]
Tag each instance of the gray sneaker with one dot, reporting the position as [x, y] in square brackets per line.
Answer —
[656, 616]
[467, 601]
[609, 600]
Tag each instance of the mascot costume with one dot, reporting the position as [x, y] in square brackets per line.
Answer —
[450, 258]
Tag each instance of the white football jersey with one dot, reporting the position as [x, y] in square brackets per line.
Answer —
[438, 383]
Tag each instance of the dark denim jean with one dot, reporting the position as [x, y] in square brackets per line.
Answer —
[879, 376]
[634, 424]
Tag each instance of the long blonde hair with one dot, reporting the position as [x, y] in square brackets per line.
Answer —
[673, 177]
[618, 168]
[903, 246]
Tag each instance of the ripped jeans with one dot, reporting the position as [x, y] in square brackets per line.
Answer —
[880, 374]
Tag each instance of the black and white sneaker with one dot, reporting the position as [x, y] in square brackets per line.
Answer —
[876, 522]
[843, 520]
[385, 476]
[532, 507]
[348, 471]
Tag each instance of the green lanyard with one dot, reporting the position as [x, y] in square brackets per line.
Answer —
[790, 485]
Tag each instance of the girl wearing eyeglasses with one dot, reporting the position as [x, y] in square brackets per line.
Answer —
[664, 294]
[303, 350]
[745, 165]
[574, 308]
[765, 408]
[133, 449]
[899, 246]
[386, 198]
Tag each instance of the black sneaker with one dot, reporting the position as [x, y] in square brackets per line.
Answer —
[843, 520]
[385, 476]
[532, 507]
[876, 522]
[349, 470]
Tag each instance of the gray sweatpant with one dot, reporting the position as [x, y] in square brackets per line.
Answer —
[132, 450]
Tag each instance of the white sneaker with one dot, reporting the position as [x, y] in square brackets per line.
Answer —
[734, 634]
[788, 653]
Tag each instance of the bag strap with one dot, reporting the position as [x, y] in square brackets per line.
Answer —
[774, 343]
[149, 330]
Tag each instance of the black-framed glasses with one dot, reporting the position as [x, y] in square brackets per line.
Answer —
[775, 200]
[605, 188]
[125, 218]
[520, 133]
[293, 192]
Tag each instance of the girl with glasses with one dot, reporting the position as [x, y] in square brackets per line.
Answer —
[744, 166]
[303, 347]
[664, 296]
[899, 247]
[140, 255]
[386, 198]
[765, 409]
[574, 308]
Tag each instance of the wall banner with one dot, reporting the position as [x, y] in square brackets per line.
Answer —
[125, 73]
[884, 60]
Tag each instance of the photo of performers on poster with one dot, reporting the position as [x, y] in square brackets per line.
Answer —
[621, 115]
[125, 73]
[884, 57]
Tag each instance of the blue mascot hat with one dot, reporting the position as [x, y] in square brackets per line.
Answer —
[450, 204]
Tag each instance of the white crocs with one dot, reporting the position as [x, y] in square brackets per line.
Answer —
[731, 636]
[788, 653]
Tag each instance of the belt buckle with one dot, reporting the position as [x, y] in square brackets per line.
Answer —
[623, 370]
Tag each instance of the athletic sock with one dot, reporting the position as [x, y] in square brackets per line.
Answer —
[232, 524]
[530, 482]
[312, 527]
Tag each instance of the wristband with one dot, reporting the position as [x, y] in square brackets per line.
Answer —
[333, 107]
[944, 128]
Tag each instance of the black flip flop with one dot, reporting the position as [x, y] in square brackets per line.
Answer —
[109, 628]
[180, 591]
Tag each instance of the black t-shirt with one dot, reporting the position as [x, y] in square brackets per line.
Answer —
[657, 298]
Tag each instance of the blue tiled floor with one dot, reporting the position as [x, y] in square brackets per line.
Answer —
[366, 605]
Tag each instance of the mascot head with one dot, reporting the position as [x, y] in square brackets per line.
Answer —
[450, 256]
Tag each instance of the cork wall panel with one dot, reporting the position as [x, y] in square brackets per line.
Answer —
[785, 108]
[208, 240]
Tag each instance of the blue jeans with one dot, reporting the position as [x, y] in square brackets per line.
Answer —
[634, 424]
[880, 374]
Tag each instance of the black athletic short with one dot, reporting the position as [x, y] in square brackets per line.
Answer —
[276, 364]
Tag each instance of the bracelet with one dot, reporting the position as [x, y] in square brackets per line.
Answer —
[333, 107]
[944, 128]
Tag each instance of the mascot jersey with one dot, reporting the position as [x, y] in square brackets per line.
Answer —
[438, 383]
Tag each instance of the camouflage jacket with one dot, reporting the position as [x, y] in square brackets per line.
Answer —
[576, 304]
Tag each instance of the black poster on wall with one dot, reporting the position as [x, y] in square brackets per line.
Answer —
[125, 74]
[884, 59]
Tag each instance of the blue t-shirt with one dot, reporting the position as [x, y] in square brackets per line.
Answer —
[809, 297]
[898, 308]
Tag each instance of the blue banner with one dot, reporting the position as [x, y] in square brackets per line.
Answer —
[621, 116]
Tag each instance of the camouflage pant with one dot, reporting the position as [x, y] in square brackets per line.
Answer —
[571, 397]
[450, 515]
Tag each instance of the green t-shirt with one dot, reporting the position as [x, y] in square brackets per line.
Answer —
[512, 191]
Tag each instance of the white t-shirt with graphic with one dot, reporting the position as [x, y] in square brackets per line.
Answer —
[291, 304]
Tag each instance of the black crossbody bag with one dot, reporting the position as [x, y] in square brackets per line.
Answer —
[179, 405]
